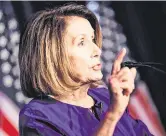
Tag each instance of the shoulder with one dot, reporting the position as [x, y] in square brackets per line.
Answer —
[39, 108]
[37, 122]
[31, 112]
[40, 115]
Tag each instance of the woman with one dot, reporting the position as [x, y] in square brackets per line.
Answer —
[59, 61]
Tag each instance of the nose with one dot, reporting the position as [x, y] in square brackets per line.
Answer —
[96, 51]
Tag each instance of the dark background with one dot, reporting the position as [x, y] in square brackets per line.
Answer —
[144, 24]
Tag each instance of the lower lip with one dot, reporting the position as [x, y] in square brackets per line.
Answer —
[97, 67]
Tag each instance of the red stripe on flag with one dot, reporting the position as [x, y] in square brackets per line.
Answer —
[143, 99]
[7, 126]
[132, 112]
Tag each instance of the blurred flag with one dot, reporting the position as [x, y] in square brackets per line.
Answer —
[10, 95]
[141, 107]
[8, 116]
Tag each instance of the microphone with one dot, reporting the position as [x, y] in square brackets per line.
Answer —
[99, 106]
[152, 65]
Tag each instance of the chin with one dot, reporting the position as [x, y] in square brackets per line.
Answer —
[92, 77]
[97, 77]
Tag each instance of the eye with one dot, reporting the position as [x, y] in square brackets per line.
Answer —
[81, 43]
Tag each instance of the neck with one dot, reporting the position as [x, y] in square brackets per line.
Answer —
[78, 97]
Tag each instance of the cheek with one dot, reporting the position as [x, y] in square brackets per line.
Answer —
[81, 60]
[81, 65]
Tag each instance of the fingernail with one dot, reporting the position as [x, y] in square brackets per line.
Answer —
[123, 49]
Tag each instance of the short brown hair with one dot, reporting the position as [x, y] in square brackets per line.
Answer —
[42, 58]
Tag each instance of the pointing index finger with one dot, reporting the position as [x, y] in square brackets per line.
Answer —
[118, 61]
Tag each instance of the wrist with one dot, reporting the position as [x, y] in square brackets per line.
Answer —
[111, 117]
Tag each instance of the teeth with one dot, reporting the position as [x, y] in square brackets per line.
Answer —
[96, 67]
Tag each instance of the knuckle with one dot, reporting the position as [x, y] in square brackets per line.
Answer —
[126, 70]
[112, 79]
[132, 87]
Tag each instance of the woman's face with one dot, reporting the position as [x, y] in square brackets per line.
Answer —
[83, 52]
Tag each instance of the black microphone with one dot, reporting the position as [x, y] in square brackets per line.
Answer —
[99, 106]
[152, 65]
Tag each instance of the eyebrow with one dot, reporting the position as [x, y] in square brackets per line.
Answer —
[80, 35]
[83, 34]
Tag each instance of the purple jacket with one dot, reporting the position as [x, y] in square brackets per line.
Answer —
[45, 116]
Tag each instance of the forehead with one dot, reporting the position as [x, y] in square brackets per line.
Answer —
[77, 26]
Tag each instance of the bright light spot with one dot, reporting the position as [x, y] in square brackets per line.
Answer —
[14, 37]
[2, 27]
[108, 67]
[7, 80]
[17, 84]
[108, 12]
[121, 38]
[3, 41]
[6, 67]
[107, 44]
[20, 97]
[15, 70]
[106, 32]
[113, 24]
[4, 54]
[15, 50]
[93, 6]
[108, 55]
[12, 24]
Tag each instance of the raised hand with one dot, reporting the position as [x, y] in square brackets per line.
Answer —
[121, 84]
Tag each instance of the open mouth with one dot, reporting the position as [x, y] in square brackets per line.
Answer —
[97, 67]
